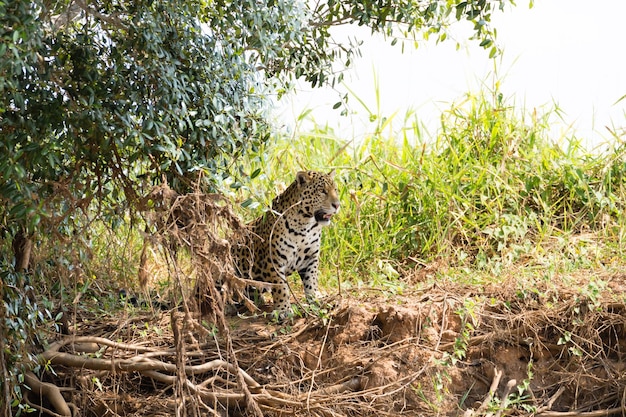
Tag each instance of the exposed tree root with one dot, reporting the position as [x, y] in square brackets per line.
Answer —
[50, 392]
[208, 387]
[166, 373]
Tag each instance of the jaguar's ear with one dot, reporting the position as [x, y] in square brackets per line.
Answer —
[303, 177]
[331, 174]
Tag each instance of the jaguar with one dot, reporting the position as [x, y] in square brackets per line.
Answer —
[287, 237]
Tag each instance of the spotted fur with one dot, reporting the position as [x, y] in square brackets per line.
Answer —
[286, 239]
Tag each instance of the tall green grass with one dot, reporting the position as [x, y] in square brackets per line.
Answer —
[491, 190]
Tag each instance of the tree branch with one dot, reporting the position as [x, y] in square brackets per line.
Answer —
[113, 20]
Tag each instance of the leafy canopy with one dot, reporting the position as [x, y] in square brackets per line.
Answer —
[100, 100]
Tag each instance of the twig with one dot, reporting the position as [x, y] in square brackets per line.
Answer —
[317, 366]
[292, 336]
[179, 344]
[353, 384]
[479, 339]
[497, 375]
[552, 400]
[505, 396]
[595, 413]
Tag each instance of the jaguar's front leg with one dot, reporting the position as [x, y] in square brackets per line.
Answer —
[281, 296]
[309, 281]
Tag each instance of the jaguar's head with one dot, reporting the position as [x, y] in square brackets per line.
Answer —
[318, 195]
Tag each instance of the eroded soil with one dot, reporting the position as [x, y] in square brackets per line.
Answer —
[440, 351]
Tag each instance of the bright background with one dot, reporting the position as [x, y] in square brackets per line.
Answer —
[565, 53]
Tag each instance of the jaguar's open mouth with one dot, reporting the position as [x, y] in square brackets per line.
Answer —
[323, 217]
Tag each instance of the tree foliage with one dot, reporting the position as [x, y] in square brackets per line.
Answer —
[101, 99]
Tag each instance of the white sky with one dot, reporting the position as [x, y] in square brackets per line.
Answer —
[568, 52]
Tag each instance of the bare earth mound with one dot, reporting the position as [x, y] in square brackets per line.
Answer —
[439, 352]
